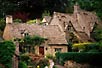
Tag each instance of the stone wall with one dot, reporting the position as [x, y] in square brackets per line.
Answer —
[51, 49]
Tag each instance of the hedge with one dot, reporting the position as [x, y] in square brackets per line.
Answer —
[7, 50]
[93, 58]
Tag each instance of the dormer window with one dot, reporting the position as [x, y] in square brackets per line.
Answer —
[26, 34]
[70, 27]
[64, 24]
[85, 13]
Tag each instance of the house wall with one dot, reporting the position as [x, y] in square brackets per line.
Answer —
[51, 49]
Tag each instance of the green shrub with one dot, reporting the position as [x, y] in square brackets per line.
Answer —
[93, 50]
[7, 50]
[31, 21]
[93, 58]
[42, 63]
[86, 47]
[22, 65]
[49, 56]
[2, 24]
[17, 20]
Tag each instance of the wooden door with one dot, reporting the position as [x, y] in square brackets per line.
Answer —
[41, 50]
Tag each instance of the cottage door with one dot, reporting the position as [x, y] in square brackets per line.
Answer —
[41, 50]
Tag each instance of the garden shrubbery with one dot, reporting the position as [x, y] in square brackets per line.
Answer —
[22, 65]
[87, 47]
[93, 58]
[7, 50]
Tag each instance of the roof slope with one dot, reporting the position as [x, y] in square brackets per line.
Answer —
[52, 33]
[82, 21]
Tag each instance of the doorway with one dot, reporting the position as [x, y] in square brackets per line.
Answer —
[41, 50]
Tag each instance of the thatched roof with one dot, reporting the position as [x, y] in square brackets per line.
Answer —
[52, 33]
[82, 21]
[47, 19]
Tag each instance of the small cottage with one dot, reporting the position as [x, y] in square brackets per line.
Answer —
[80, 23]
[55, 39]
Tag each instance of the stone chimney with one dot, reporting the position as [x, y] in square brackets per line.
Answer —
[9, 19]
[38, 20]
[76, 8]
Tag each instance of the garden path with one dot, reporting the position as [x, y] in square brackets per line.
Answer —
[59, 66]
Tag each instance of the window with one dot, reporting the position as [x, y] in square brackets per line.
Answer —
[70, 27]
[26, 34]
[58, 49]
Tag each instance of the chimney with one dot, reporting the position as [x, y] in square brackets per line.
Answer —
[9, 19]
[76, 8]
[38, 20]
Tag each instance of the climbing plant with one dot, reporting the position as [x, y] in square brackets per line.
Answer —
[29, 42]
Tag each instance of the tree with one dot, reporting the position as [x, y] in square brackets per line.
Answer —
[7, 50]
[2, 24]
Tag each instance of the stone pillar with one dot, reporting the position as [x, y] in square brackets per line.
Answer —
[9, 19]
[16, 56]
[76, 8]
[38, 20]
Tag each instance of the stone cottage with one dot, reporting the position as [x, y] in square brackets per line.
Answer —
[80, 23]
[58, 29]
[55, 39]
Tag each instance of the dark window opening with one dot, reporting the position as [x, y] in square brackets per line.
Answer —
[64, 24]
[58, 49]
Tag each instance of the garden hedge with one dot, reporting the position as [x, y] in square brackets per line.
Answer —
[93, 58]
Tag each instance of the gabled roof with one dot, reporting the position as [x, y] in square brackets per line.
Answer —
[47, 19]
[82, 21]
[52, 33]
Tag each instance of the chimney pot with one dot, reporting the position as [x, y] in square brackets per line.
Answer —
[9, 19]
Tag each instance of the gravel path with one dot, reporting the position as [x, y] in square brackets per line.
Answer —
[59, 66]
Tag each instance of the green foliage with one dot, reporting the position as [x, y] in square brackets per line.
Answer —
[70, 46]
[7, 49]
[22, 65]
[25, 58]
[93, 58]
[37, 40]
[2, 24]
[31, 21]
[28, 42]
[49, 56]
[45, 13]
[42, 63]
[87, 47]
[17, 20]
[97, 35]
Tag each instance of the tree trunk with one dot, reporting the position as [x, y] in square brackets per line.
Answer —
[16, 56]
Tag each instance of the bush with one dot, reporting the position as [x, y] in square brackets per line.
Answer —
[25, 58]
[31, 21]
[93, 58]
[86, 47]
[22, 65]
[49, 56]
[7, 50]
[17, 20]
[42, 63]
[2, 24]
